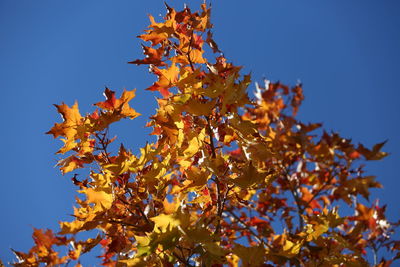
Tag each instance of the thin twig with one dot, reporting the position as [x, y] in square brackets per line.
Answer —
[296, 198]
[180, 259]
[137, 208]
[211, 134]
[316, 194]
[221, 209]
[248, 229]
[103, 142]
[188, 53]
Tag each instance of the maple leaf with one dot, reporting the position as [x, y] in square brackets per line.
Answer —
[375, 153]
[68, 129]
[194, 56]
[153, 56]
[101, 197]
[71, 117]
[198, 107]
[251, 176]
[163, 222]
[71, 163]
[71, 227]
[212, 43]
[166, 79]
[159, 32]
[121, 105]
[290, 249]
[170, 208]
[194, 143]
[251, 256]
[197, 176]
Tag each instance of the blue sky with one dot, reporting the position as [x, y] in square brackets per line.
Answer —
[346, 53]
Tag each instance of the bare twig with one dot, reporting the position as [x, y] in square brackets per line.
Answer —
[259, 239]
[188, 53]
[296, 198]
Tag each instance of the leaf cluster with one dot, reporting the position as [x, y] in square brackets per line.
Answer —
[234, 178]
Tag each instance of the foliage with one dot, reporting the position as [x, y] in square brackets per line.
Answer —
[232, 179]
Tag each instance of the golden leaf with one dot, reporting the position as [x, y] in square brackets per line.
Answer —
[164, 222]
[69, 127]
[251, 176]
[194, 144]
[101, 197]
[251, 256]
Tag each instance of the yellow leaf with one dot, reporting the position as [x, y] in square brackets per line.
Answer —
[102, 180]
[291, 249]
[101, 197]
[76, 252]
[68, 128]
[164, 222]
[314, 231]
[194, 144]
[202, 199]
[236, 93]
[195, 55]
[126, 110]
[199, 234]
[199, 108]
[214, 248]
[69, 164]
[159, 32]
[166, 79]
[250, 177]
[244, 129]
[250, 256]
[71, 227]
[233, 260]
[189, 82]
[143, 240]
[198, 177]
[134, 262]
[172, 207]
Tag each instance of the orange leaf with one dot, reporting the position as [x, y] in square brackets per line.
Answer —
[153, 56]
[166, 79]
[119, 106]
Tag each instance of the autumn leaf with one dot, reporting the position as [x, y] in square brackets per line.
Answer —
[170, 207]
[166, 79]
[195, 143]
[120, 106]
[199, 108]
[68, 129]
[163, 222]
[71, 119]
[375, 153]
[251, 177]
[251, 256]
[101, 197]
[69, 164]
[153, 56]
[290, 249]
[159, 32]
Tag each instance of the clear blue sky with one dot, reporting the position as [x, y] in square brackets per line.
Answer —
[346, 53]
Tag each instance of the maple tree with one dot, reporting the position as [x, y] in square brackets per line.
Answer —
[232, 179]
